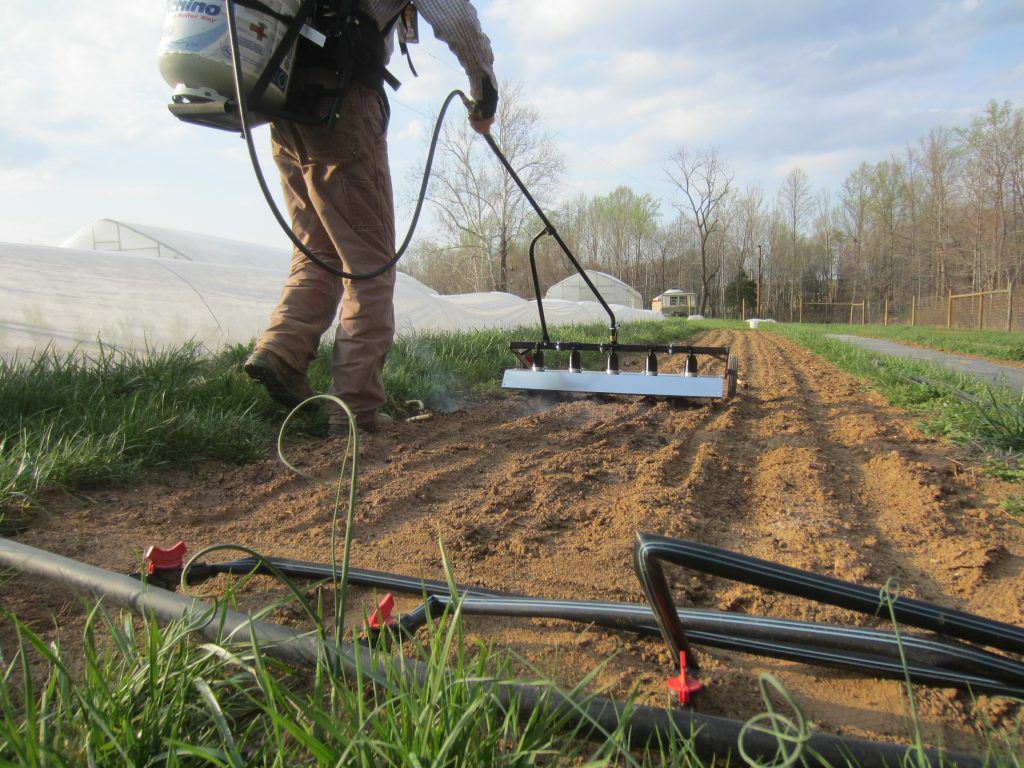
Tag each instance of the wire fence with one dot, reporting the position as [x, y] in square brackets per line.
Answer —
[999, 310]
[849, 312]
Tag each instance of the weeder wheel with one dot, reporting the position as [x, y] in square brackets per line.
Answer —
[732, 374]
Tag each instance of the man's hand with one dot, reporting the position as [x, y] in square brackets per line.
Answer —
[481, 116]
[481, 125]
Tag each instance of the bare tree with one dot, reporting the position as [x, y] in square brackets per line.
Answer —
[794, 198]
[705, 181]
[480, 208]
[826, 226]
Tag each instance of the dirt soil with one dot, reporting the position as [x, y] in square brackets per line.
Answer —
[804, 467]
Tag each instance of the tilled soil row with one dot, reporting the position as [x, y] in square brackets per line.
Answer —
[804, 467]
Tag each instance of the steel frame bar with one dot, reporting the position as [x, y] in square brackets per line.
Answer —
[720, 353]
[622, 383]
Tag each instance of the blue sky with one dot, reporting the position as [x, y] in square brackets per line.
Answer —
[773, 84]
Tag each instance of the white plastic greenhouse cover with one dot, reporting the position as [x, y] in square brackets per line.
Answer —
[138, 287]
[615, 291]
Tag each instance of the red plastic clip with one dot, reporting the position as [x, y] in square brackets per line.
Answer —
[383, 613]
[158, 559]
[682, 686]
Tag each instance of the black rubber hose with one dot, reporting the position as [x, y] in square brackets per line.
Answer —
[359, 577]
[826, 589]
[934, 662]
[595, 718]
[851, 660]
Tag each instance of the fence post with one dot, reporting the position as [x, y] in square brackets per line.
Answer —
[1009, 306]
[863, 312]
[913, 311]
[743, 310]
[801, 309]
[885, 314]
[981, 311]
[949, 310]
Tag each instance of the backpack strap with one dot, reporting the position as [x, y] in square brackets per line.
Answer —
[403, 45]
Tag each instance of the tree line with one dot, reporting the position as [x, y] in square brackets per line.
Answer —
[944, 214]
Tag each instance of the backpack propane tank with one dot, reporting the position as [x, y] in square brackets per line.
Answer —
[195, 56]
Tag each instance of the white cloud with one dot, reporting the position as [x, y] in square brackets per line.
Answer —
[815, 82]
[414, 130]
[822, 164]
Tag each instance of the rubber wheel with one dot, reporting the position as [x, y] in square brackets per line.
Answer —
[732, 374]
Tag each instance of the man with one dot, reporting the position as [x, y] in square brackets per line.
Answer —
[337, 187]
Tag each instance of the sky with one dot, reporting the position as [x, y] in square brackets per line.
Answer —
[771, 84]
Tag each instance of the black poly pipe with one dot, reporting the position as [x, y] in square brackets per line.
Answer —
[852, 660]
[713, 628]
[825, 589]
[595, 718]
[536, 285]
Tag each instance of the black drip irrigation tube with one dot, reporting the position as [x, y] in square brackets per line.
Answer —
[929, 661]
[651, 550]
[593, 718]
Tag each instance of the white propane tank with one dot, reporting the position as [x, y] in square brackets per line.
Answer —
[195, 55]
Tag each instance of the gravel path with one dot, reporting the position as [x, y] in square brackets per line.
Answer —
[1006, 375]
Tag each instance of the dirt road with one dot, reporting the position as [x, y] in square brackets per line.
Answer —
[804, 467]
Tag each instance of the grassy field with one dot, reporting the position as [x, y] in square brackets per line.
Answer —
[996, 345]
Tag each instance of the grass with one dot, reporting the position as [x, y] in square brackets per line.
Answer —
[955, 406]
[1010, 471]
[148, 696]
[135, 694]
[72, 422]
[69, 421]
[1013, 505]
[996, 345]
[131, 693]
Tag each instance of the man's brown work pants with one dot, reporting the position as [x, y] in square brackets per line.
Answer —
[337, 188]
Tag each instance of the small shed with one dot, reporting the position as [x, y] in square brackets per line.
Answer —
[614, 291]
[675, 302]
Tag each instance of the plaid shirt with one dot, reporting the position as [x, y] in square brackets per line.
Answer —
[454, 22]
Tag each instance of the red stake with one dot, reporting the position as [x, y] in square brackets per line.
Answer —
[383, 613]
[682, 686]
[158, 559]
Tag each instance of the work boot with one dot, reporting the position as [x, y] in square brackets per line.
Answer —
[285, 384]
[337, 423]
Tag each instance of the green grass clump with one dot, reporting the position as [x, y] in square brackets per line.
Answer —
[72, 420]
[1010, 471]
[956, 406]
[147, 696]
[997, 345]
[1013, 505]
